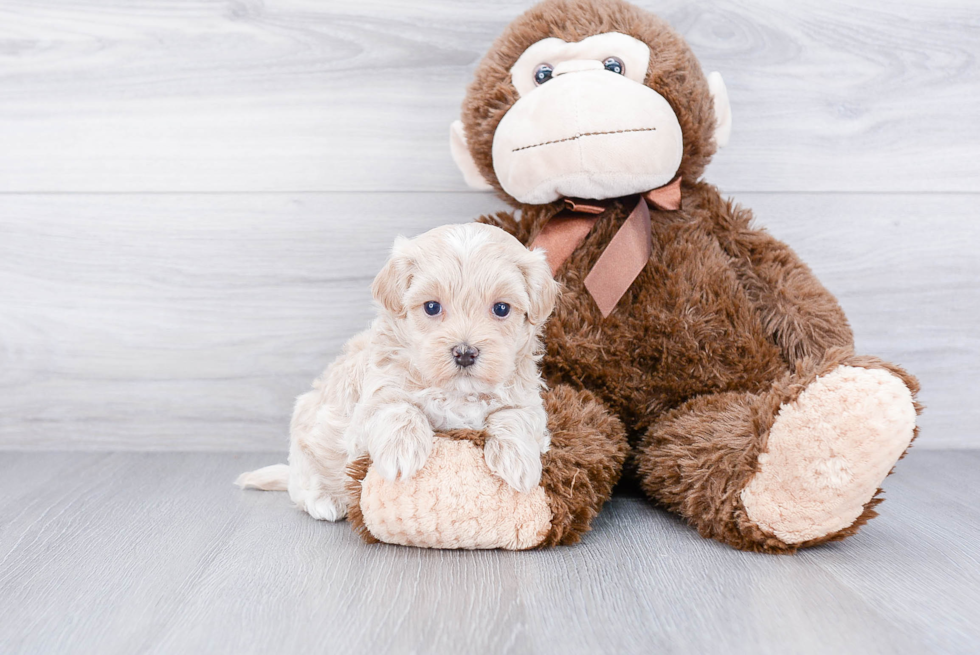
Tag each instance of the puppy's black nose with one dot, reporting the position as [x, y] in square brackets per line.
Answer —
[465, 354]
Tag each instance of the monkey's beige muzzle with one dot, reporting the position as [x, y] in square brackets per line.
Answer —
[586, 133]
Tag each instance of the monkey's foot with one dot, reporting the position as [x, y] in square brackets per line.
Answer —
[828, 452]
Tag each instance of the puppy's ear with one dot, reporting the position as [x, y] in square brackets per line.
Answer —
[542, 288]
[392, 282]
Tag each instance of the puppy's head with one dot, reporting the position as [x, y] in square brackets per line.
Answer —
[466, 304]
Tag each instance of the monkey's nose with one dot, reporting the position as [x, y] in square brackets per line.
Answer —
[465, 354]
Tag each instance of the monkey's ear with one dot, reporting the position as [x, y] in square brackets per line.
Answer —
[392, 282]
[463, 158]
[723, 110]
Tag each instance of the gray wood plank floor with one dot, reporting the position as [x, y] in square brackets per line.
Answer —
[159, 553]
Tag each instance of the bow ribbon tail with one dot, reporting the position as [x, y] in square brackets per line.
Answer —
[566, 230]
[561, 236]
[622, 260]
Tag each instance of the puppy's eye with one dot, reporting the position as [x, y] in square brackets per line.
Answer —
[501, 310]
[615, 65]
[432, 308]
[543, 73]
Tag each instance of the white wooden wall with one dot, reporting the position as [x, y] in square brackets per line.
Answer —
[195, 195]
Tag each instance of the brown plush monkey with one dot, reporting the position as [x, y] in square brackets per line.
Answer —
[731, 367]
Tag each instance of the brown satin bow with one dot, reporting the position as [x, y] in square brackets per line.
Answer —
[628, 251]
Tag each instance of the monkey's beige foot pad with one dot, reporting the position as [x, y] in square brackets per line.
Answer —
[828, 453]
[455, 501]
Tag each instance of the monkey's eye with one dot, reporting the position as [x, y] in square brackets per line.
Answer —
[542, 73]
[615, 65]
[432, 308]
[501, 310]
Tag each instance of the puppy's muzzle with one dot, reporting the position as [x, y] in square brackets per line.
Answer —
[465, 355]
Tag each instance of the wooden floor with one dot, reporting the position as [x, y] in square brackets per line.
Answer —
[152, 552]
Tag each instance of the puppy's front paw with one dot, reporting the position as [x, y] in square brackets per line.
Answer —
[517, 461]
[403, 451]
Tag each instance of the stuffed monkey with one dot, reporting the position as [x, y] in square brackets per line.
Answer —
[731, 368]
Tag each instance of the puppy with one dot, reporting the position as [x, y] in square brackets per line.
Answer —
[455, 344]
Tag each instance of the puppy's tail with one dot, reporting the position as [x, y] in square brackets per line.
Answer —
[269, 478]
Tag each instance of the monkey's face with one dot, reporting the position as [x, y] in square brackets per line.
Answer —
[585, 125]
[600, 117]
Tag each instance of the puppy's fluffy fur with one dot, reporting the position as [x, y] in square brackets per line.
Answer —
[398, 382]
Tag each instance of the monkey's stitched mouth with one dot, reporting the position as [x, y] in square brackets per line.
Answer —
[584, 134]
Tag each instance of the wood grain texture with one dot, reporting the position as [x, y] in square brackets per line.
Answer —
[191, 322]
[159, 553]
[309, 95]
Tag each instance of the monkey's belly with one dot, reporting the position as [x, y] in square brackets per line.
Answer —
[684, 329]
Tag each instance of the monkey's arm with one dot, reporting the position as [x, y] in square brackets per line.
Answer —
[800, 315]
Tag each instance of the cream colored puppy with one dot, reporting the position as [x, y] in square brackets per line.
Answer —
[455, 345]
